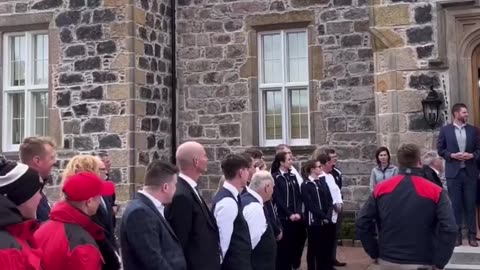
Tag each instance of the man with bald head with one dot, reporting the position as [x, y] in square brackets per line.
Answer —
[188, 213]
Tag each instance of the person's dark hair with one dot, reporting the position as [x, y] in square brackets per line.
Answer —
[279, 157]
[329, 151]
[323, 158]
[457, 107]
[254, 152]
[159, 172]
[232, 164]
[248, 157]
[380, 150]
[308, 167]
[408, 155]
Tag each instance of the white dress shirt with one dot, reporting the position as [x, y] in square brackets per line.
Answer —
[334, 191]
[255, 217]
[190, 181]
[225, 213]
[160, 207]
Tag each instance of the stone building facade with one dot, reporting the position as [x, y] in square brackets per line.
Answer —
[135, 78]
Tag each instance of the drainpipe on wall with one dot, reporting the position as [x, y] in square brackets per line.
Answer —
[174, 81]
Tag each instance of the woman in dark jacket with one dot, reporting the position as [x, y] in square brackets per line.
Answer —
[287, 199]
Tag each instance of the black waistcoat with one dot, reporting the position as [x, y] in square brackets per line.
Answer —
[238, 256]
[263, 255]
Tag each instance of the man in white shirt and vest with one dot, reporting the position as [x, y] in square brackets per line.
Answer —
[235, 240]
[263, 240]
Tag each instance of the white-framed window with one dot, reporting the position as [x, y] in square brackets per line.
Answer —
[283, 87]
[25, 87]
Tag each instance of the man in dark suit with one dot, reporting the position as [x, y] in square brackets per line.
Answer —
[432, 167]
[188, 213]
[458, 144]
[147, 240]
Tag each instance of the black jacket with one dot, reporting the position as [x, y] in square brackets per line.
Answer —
[415, 222]
[108, 247]
[272, 217]
[195, 227]
[286, 195]
[318, 201]
[432, 176]
[148, 242]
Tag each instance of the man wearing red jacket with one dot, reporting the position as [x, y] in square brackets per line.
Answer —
[19, 198]
[414, 217]
[68, 238]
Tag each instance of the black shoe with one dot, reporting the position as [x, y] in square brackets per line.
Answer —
[473, 242]
[458, 242]
[339, 264]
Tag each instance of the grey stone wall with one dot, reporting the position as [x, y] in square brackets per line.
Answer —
[153, 81]
[218, 76]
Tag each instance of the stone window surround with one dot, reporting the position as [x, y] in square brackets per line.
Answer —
[21, 23]
[270, 22]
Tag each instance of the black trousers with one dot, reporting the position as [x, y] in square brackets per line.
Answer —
[338, 229]
[290, 248]
[321, 241]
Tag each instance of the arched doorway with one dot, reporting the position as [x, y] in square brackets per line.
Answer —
[475, 110]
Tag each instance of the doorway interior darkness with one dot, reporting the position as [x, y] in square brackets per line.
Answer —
[475, 111]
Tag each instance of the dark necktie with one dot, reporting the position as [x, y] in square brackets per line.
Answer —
[239, 200]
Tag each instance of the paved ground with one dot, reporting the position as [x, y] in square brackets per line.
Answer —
[356, 259]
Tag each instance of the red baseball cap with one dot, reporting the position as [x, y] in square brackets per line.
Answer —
[85, 185]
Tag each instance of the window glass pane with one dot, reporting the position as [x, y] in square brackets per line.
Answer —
[17, 117]
[40, 59]
[40, 113]
[272, 58]
[299, 113]
[273, 114]
[297, 57]
[17, 61]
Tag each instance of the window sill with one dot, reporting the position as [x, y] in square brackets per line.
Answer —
[296, 149]
[12, 155]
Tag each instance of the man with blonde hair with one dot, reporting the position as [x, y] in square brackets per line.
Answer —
[40, 155]
[263, 240]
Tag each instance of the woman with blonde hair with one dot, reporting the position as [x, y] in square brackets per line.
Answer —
[82, 163]
[93, 164]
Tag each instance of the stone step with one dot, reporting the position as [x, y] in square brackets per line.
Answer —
[466, 255]
[462, 267]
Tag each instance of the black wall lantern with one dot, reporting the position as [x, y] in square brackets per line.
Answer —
[431, 108]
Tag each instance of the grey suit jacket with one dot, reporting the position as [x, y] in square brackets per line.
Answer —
[147, 240]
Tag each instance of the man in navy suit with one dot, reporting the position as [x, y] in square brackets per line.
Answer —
[147, 240]
[458, 144]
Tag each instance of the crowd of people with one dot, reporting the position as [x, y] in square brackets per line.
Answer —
[260, 218]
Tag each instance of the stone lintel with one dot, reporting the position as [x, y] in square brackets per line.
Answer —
[275, 21]
[18, 22]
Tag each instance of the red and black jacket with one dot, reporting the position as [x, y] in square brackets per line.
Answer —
[17, 247]
[68, 240]
[415, 222]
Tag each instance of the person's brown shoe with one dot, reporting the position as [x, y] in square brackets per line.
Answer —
[472, 242]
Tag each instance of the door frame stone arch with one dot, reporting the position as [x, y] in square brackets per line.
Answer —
[458, 36]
